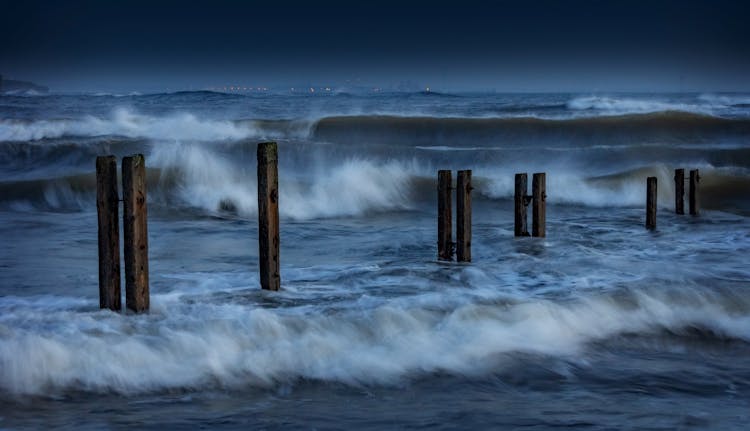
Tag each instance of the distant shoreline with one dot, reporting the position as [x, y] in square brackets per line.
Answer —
[12, 86]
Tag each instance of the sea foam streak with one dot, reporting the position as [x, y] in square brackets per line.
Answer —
[189, 344]
[625, 105]
[124, 122]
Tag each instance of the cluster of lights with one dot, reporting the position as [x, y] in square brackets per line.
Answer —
[310, 89]
[238, 88]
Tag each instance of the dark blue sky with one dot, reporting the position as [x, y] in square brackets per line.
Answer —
[561, 45]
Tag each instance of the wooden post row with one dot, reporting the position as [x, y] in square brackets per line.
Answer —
[107, 208]
[520, 202]
[539, 211]
[679, 191]
[651, 203]
[694, 203]
[135, 233]
[445, 221]
[463, 216]
[268, 216]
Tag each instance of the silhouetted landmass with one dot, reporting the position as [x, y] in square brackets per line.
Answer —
[11, 86]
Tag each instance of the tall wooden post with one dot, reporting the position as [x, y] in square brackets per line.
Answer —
[445, 221]
[679, 191]
[135, 233]
[463, 216]
[107, 208]
[694, 202]
[268, 216]
[521, 200]
[539, 210]
[651, 203]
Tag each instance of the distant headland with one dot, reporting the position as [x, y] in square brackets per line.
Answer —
[11, 86]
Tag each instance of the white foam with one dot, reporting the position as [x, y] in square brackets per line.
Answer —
[130, 124]
[617, 105]
[192, 344]
[347, 188]
[725, 100]
[568, 187]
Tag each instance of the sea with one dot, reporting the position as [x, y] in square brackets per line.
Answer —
[600, 325]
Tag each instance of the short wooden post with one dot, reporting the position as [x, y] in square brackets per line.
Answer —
[463, 216]
[135, 233]
[107, 208]
[445, 243]
[268, 216]
[694, 202]
[679, 191]
[651, 203]
[539, 210]
[521, 200]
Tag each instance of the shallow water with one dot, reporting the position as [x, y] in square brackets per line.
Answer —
[602, 324]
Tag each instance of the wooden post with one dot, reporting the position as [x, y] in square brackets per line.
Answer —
[694, 202]
[135, 233]
[268, 216]
[539, 210]
[445, 243]
[521, 200]
[107, 208]
[679, 191]
[463, 216]
[651, 203]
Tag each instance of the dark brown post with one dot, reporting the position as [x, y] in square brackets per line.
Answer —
[539, 210]
[135, 233]
[268, 216]
[521, 200]
[445, 243]
[651, 203]
[463, 216]
[679, 191]
[107, 208]
[694, 202]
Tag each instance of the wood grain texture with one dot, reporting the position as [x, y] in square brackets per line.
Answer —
[463, 216]
[539, 205]
[268, 216]
[107, 208]
[445, 220]
[135, 233]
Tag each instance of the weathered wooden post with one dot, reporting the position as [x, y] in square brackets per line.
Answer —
[107, 208]
[694, 202]
[135, 233]
[651, 203]
[539, 210]
[679, 191]
[268, 216]
[463, 216]
[445, 243]
[521, 200]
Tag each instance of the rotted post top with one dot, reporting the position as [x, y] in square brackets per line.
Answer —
[268, 151]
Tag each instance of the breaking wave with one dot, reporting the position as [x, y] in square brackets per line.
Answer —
[129, 124]
[430, 131]
[190, 342]
[184, 176]
[415, 130]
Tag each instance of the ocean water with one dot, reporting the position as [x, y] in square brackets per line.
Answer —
[600, 325]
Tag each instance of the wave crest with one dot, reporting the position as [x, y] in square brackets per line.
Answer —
[126, 123]
[189, 344]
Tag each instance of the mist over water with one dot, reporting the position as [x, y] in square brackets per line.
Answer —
[630, 328]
